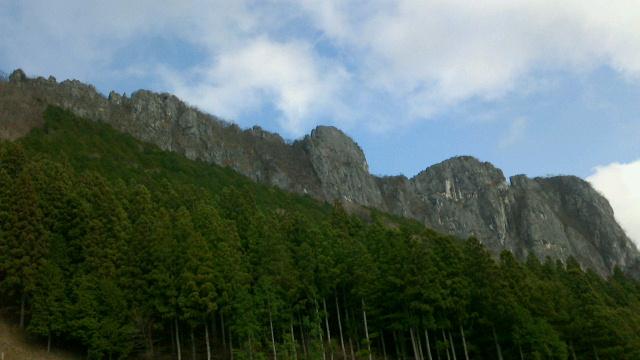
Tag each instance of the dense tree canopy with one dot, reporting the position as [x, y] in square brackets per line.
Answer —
[129, 251]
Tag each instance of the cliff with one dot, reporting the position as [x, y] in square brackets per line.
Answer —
[550, 217]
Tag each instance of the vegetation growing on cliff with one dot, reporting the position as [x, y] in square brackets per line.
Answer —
[127, 250]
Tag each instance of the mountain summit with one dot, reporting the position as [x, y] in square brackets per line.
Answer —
[553, 217]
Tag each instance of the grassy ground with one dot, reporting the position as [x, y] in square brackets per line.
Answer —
[15, 345]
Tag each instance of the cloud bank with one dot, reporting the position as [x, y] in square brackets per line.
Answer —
[619, 184]
[305, 58]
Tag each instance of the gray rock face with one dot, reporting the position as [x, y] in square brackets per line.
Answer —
[547, 217]
[465, 197]
[564, 215]
[341, 167]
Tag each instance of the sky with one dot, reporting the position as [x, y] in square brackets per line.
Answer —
[536, 87]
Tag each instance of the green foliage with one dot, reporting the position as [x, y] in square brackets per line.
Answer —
[24, 242]
[48, 309]
[118, 246]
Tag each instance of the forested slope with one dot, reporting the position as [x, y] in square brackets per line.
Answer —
[555, 217]
[113, 247]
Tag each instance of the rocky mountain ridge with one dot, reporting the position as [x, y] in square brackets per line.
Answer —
[556, 217]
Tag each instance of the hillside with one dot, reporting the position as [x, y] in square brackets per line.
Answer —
[127, 251]
[15, 345]
[554, 217]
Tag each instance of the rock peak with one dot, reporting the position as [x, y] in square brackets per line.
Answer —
[336, 145]
[465, 166]
[467, 161]
[17, 76]
[341, 167]
[330, 132]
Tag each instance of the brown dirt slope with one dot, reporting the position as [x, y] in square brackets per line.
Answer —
[15, 345]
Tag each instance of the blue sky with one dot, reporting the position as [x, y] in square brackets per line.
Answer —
[535, 87]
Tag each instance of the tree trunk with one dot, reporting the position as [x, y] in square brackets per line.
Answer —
[403, 348]
[573, 352]
[173, 340]
[49, 342]
[366, 329]
[495, 339]
[206, 337]
[224, 337]
[419, 345]
[23, 300]
[395, 344]
[273, 339]
[150, 331]
[426, 339]
[230, 345]
[293, 343]
[250, 347]
[344, 351]
[214, 330]
[324, 355]
[384, 346]
[464, 343]
[444, 338]
[453, 348]
[178, 339]
[520, 350]
[304, 345]
[193, 344]
[416, 355]
[326, 323]
[595, 353]
[353, 354]
[350, 320]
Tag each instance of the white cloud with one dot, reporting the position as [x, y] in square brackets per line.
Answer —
[244, 67]
[78, 38]
[514, 134]
[439, 53]
[286, 75]
[619, 184]
[426, 57]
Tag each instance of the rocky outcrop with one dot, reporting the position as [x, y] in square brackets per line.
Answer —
[563, 215]
[553, 217]
[548, 217]
[341, 167]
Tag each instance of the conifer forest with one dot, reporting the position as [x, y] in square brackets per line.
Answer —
[116, 249]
